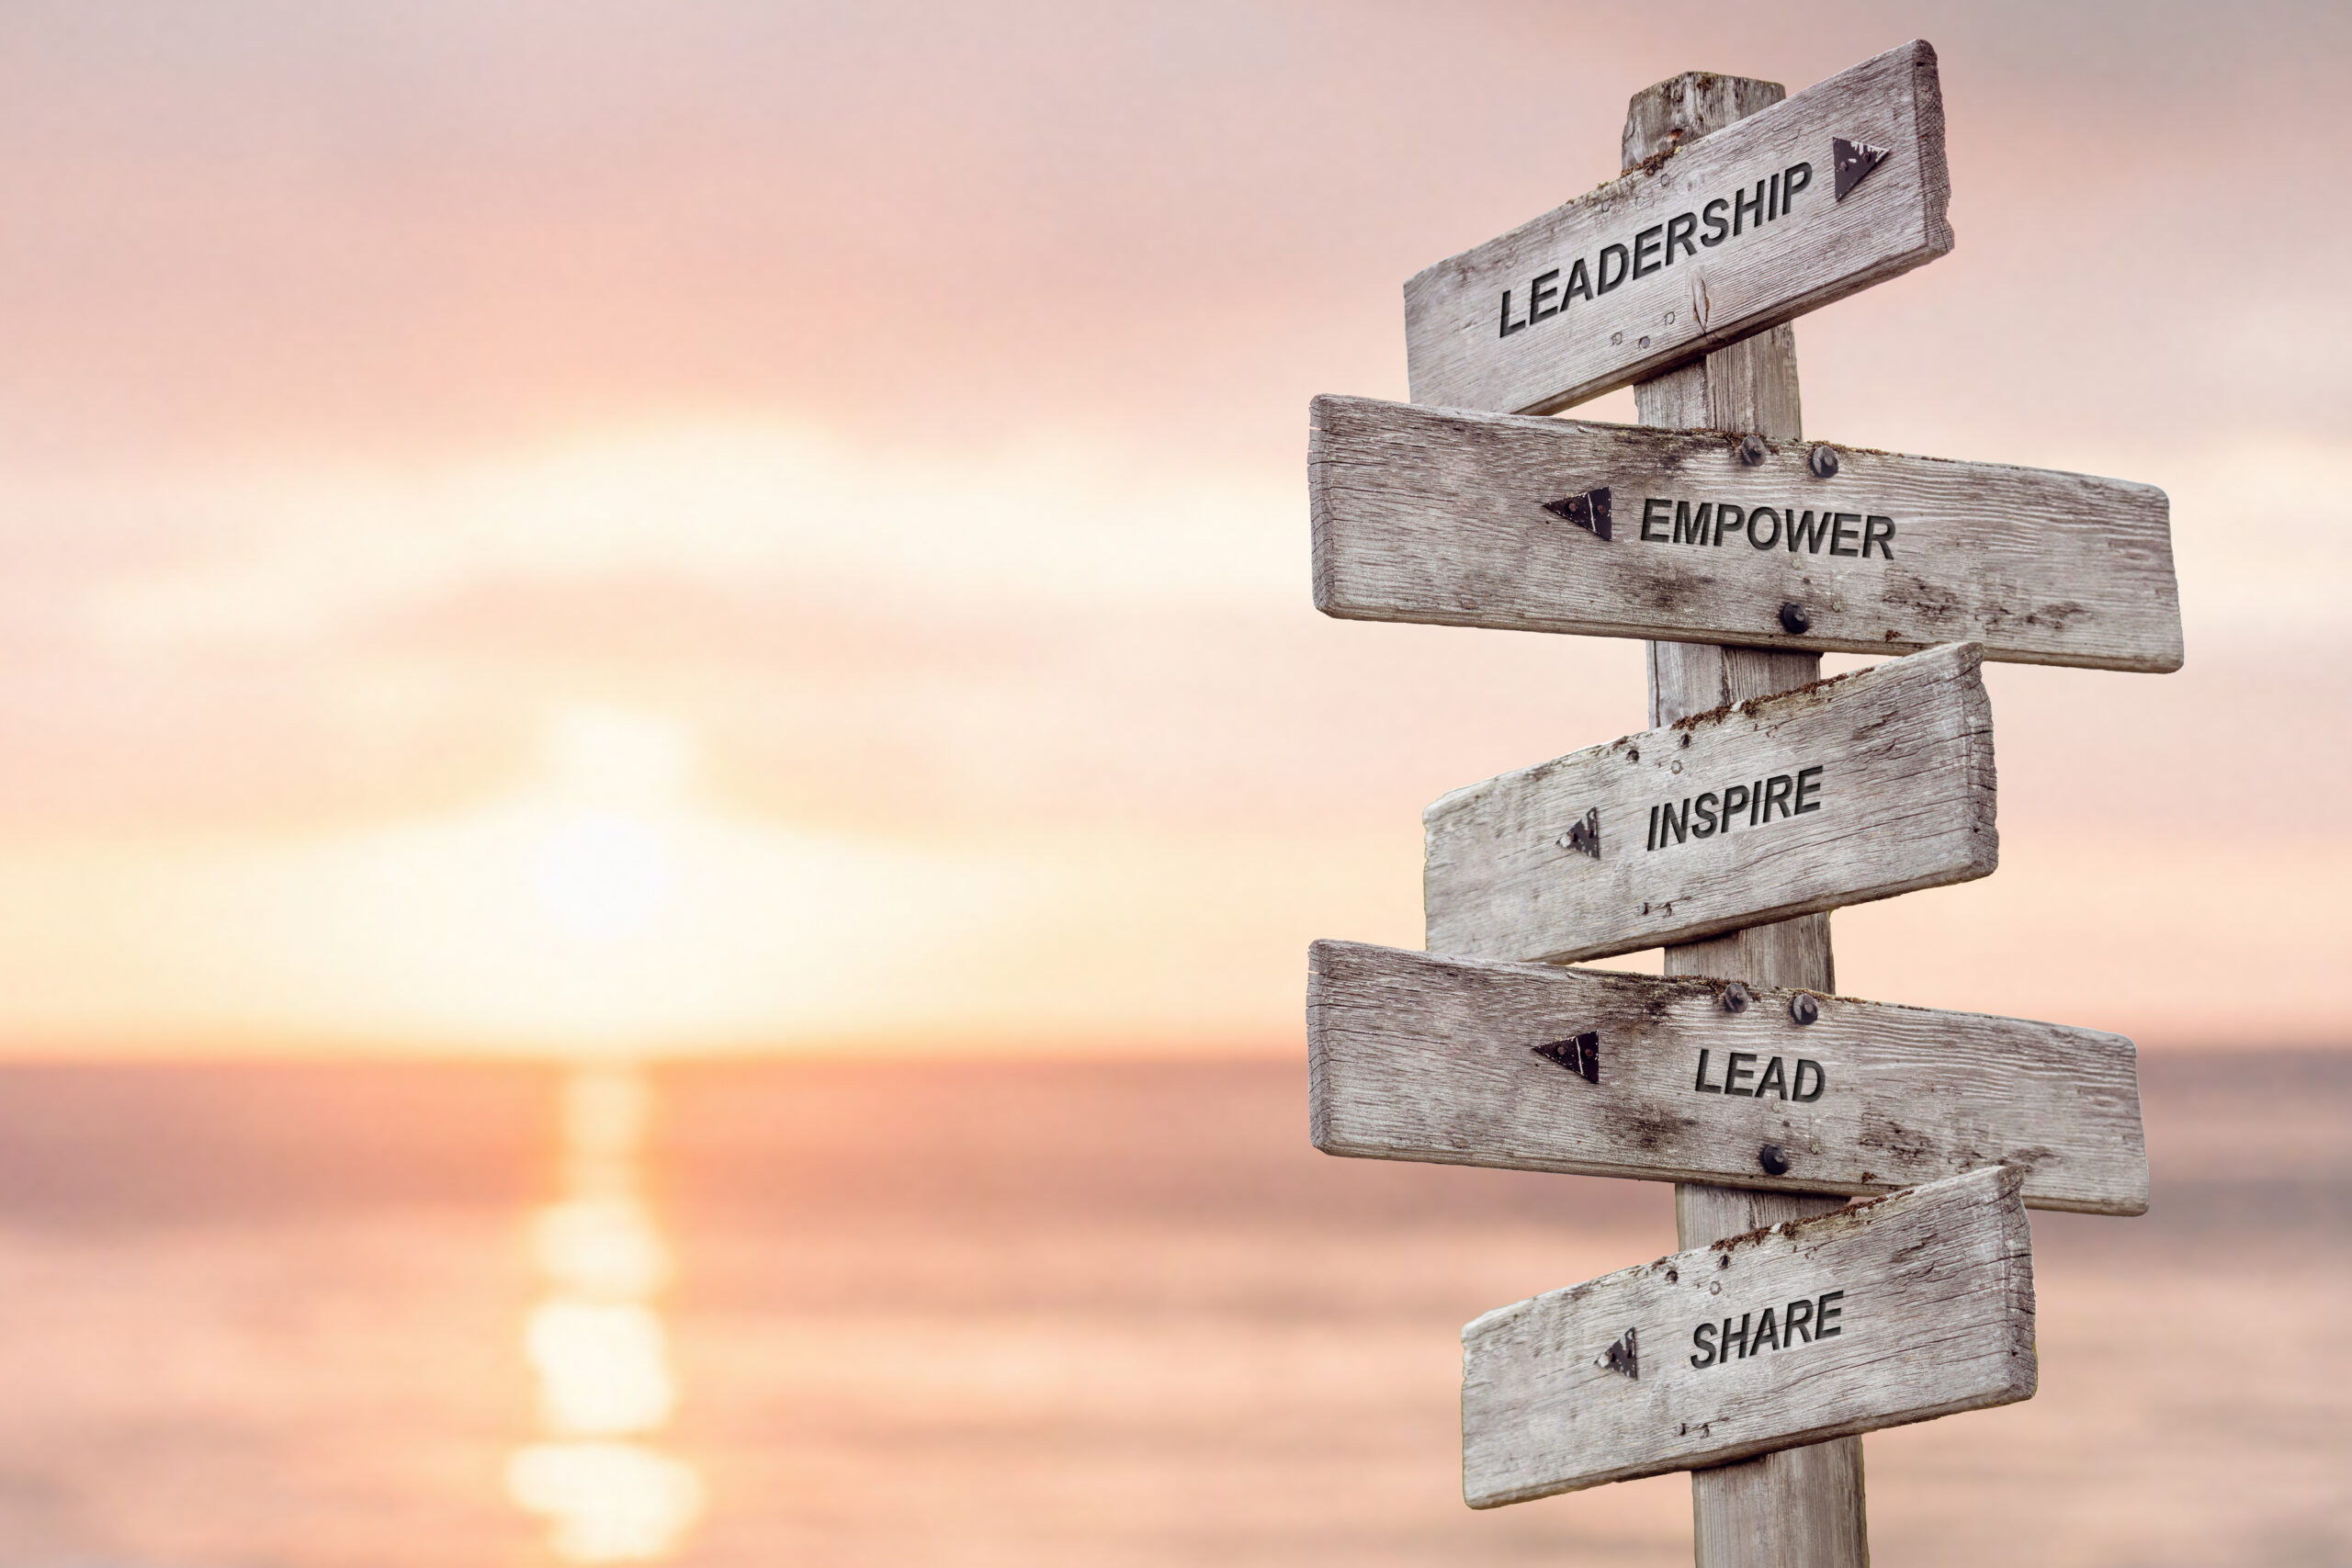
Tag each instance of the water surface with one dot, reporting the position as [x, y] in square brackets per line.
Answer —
[1027, 1315]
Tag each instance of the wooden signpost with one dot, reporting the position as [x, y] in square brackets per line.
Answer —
[1839, 792]
[1527, 1066]
[1610, 530]
[1761, 798]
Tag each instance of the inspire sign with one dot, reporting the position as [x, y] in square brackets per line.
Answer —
[1850, 789]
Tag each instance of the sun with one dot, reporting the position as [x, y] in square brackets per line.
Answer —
[603, 866]
[604, 875]
[609, 903]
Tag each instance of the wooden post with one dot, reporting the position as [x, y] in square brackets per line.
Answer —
[1799, 1507]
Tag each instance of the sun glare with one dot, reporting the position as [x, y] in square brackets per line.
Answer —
[604, 875]
[602, 902]
[598, 1347]
[603, 866]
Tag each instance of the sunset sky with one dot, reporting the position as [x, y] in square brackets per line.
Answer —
[730, 525]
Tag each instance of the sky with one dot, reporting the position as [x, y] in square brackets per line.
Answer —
[727, 527]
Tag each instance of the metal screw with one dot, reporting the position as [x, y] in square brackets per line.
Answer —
[1804, 1009]
[1794, 619]
[1751, 450]
[1824, 463]
[1774, 1162]
[1735, 998]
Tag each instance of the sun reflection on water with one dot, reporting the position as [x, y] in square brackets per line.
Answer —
[597, 1345]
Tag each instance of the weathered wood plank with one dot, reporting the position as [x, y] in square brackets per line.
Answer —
[1648, 272]
[1611, 530]
[1861, 787]
[1905, 1308]
[1527, 1066]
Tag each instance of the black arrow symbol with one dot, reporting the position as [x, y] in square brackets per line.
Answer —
[1583, 837]
[1580, 1054]
[1589, 512]
[1853, 161]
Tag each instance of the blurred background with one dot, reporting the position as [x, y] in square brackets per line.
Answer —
[668, 770]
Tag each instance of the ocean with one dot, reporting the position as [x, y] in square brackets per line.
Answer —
[1045, 1314]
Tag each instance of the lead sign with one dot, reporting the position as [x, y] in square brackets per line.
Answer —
[1531, 1066]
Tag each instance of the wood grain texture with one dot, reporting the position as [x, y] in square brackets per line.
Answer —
[1459, 355]
[1750, 386]
[1418, 1057]
[1936, 1317]
[1899, 758]
[1798, 1507]
[1682, 109]
[1439, 515]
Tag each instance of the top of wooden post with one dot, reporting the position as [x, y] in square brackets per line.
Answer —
[1685, 107]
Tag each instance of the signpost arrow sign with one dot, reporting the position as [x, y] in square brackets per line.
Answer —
[1841, 791]
[1810, 200]
[1589, 512]
[1415, 1056]
[1439, 515]
[1897, 1309]
[1853, 160]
